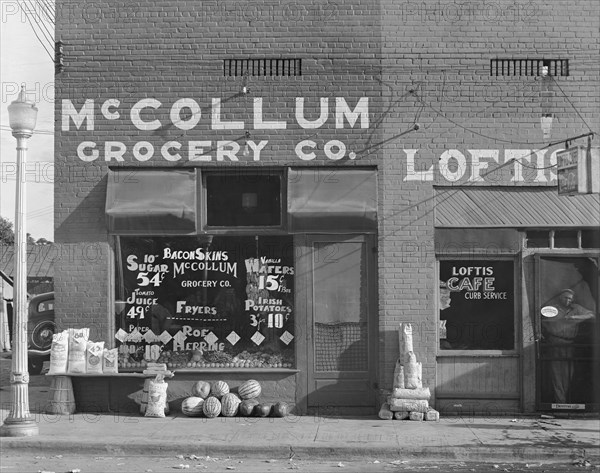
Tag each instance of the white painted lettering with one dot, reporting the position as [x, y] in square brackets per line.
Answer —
[114, 150]
[196, 151]
[341, 152]
[518, 155]
[300, 151]
[307, 124]
[192, 121]
[411, 174]
[86, 113]
[455, 171]
[164, 150]
[227, 149]
[218, 124]
[343, 110]
[259, 124]
[477, 166]
[257, 148]
[136, 119]
[88, 158]
[107, 105]
[143, 156]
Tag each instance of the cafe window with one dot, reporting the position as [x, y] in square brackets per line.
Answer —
[476, 306]
[243, 199]
[205, 301]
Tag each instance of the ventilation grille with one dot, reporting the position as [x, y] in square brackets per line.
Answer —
[262, 67]
[528, 67]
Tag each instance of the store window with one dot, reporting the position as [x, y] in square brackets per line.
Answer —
[205, 301]
[243, 199]
[476, 304]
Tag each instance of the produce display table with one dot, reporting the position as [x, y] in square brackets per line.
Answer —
[121, 393]
[90, 392]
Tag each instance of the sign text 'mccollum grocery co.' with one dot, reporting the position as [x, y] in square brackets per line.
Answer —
[185, 114]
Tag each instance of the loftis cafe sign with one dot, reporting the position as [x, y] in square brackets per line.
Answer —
[150, 115]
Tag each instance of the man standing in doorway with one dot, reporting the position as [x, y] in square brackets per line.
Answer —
[559, 333]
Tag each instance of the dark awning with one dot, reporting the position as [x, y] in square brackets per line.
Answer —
[332, 200]
[514, 207]
[156, 201]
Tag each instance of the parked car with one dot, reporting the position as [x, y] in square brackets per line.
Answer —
[40, 328]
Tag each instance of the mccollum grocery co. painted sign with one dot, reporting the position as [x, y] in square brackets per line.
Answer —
[158, 120]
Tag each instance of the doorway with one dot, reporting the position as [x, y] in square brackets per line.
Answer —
[341, 323]
[567, 338]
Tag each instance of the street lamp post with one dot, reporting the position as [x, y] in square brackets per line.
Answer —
[22, 116]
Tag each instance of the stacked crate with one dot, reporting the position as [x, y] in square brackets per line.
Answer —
[408, 399]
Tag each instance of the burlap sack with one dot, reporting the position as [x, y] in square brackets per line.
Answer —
[412, 376]
[409, 405]
[59, 353]
[110, 360]
[398, 375]
[157, 397]
[418, 393]
[385, 413]
[78, 338]
[408, 339]
[93, 357]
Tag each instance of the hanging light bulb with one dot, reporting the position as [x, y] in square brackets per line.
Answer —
[246, 151]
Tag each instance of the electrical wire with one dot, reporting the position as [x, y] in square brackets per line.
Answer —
[43, 28]
[36, 34]
[49, 10]
[571, 103]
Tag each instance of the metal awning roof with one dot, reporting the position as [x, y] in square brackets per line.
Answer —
[40, 260]
[514, 207]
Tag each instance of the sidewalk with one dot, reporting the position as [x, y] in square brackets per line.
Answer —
[504, 439]
[525, 439]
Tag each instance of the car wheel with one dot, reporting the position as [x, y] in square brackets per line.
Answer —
[35, 365]
[41, 336]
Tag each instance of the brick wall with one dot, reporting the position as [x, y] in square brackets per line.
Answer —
[426, 62]
[442, 50]
[171, 50]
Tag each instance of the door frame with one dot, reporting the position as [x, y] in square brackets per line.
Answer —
[305, 315]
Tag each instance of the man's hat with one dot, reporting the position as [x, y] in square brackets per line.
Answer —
[569, 291]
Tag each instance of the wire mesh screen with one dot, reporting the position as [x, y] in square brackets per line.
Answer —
[341, 347]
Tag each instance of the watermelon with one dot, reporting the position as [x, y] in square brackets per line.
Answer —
[230, 404]
[281, 409]
[218, 389]
[211, 407]
[250, 389]
[192, 406]
[262, 410]
[201, 389]
[247, 407]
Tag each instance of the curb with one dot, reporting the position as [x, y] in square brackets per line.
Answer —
[496, 453]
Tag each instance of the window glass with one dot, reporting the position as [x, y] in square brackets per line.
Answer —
[476, 305]
[243, 199]
[565, 239]
[340, 307]
[538, 239]
[590, 238]
[206, 301]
